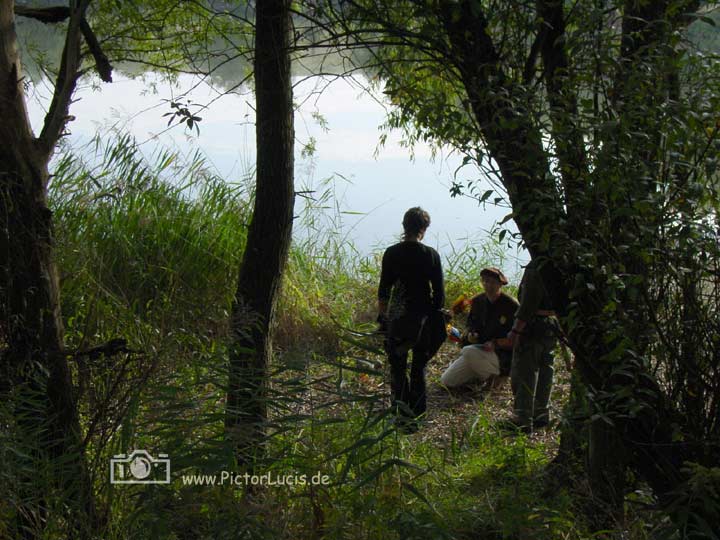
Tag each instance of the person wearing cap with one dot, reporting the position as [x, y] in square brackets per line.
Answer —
[486, 352]
[534, 336]
[410, 297]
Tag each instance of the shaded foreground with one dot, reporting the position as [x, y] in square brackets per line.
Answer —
[147, 271]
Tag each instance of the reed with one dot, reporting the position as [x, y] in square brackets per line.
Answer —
[149, 249]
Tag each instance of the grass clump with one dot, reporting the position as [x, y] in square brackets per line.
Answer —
[150, 237]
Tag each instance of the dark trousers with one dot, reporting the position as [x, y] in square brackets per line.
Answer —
[532, 378]
[409, 333]
[409, 396]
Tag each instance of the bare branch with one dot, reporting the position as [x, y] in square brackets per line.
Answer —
[57, 116]
[529, 70]
[102, 64]
[54, 14]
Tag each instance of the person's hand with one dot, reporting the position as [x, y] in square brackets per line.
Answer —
[382, 324]
[514, 337]
[517, 330]
[488, 346]
[473, 337]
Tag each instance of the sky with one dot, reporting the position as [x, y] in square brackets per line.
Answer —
[373, 186]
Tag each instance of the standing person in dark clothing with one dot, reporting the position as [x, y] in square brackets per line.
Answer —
[410, 296]
[534, 335]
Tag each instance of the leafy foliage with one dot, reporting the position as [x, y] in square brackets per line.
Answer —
[598, 121]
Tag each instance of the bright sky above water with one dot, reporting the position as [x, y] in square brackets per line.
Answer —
[373, 186]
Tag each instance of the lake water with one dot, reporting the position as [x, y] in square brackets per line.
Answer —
[372, 186]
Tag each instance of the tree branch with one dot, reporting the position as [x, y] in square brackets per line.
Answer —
[102, 64]
[56, 14]
[512, 140]
[563, 101]
[529, 69]
[644, 26]
[49, 15]
[57, 116]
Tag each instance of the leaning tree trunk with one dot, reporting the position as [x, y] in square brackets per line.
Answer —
[514, 142]
[269, 235]
[34, 372]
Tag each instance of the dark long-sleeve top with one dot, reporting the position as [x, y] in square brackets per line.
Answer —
[532, 294]
[491, 320]
[411, 279]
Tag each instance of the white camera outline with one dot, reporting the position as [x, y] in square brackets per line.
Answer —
[124, 460]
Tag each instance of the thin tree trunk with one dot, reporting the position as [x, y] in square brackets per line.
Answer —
[268, 236]
[34, 368]
[607, 470]
[573, 433]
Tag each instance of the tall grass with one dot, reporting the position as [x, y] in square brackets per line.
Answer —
[149, 250]
[146, 239]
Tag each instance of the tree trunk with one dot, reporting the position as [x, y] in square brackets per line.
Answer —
[268, 236]
[515, 145]
[573, 429]
[34, 369]
[606, 469]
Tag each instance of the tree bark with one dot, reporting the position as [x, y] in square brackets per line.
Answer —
[34, 368]
[607, 469]
[269, 234]
[547, 229]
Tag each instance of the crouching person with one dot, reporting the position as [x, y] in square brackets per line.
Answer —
[487, 352]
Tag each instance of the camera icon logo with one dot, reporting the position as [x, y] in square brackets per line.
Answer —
[139, 467]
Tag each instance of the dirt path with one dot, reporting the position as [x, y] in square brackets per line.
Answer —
[457, 410]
